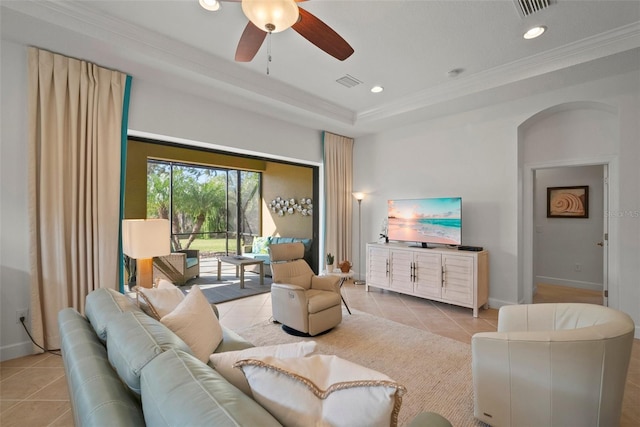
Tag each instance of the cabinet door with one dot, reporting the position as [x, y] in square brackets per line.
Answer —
[401, 270]
[427, 280]
[378, 267]
[458, 279]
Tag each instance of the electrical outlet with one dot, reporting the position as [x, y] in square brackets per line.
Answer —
[578, 267]
[22, 313]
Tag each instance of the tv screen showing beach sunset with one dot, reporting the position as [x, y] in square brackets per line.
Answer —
[434, 220]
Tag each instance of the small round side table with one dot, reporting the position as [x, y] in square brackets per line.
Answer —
[343, 277]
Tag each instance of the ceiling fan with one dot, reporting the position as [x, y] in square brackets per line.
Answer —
[272, 16]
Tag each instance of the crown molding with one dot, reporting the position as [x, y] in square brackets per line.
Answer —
[179, 59]
[605, 44]
[176, 63]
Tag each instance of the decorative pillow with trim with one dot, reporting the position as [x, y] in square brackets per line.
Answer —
[194, 321]
[323, 390]
[159, 301]
[261, 245]
[223, 362]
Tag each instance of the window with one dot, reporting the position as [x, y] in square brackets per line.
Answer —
[211, 209]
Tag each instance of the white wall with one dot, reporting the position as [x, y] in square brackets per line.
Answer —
[167, 112]
[154, 110]
[476, 155]
[14, 227]
[565, 249]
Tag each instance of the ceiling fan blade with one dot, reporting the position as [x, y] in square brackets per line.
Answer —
[321, 35]
[250, 42]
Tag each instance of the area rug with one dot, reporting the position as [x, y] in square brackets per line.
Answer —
[435, 370]
[228, 288]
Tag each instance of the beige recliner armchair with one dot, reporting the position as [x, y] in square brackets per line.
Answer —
[552, 365]
[304, 303]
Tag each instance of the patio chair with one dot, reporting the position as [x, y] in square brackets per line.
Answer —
[178, 267]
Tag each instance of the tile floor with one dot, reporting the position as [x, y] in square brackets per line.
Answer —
[33, 390]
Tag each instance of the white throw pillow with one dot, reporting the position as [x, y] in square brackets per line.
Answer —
[195, 323]
[165, 284]
[160, 301]
[323, 390]
[223, 362]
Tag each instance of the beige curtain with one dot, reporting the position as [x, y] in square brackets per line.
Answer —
[338, 163]
[75, 125]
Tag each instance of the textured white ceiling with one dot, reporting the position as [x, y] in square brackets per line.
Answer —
[406, 46]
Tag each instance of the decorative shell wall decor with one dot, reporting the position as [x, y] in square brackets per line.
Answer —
[289, 206]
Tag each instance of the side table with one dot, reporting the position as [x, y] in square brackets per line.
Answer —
[343, 277]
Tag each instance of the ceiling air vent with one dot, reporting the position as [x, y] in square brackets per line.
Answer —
[529, 7]
[349, 81]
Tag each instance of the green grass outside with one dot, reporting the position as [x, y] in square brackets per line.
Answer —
[210, 245]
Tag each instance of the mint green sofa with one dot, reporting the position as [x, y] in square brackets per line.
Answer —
[125, 368]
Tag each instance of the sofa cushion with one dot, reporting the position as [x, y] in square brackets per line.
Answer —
[263, 257]
[179, 390]
[305, 242]
[194, 321]
[134, 340]
[98, 397]
[299, 391]
[231, 341]
[104, 304]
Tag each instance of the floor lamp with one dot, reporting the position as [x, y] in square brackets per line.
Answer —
[143, 239]
[359, 197]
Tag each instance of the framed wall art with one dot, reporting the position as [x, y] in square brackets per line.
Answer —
[568, 202]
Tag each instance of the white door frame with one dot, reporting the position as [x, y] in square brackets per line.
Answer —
[610, 203]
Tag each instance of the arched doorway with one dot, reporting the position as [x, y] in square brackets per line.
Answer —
[570, 135]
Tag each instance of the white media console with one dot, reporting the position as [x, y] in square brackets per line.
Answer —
[440, 274]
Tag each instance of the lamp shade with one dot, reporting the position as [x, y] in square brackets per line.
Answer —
[146, 238]
[271, 15]
[358, 196]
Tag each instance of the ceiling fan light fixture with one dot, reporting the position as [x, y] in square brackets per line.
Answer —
[211, 5]
[534, 32]
[271, 16]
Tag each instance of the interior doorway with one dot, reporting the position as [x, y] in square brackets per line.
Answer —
[570, 253]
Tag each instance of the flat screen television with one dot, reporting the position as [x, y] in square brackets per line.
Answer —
[436, 220]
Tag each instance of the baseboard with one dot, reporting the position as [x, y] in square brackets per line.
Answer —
[571, 283]
[496, 303]
[13, 351]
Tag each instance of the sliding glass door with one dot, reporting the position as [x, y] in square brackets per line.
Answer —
[211, 209]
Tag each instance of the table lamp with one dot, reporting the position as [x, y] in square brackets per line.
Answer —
[143, 239]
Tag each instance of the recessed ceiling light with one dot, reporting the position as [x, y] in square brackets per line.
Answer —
[534, 32]
[377, 89]
[211, 5]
